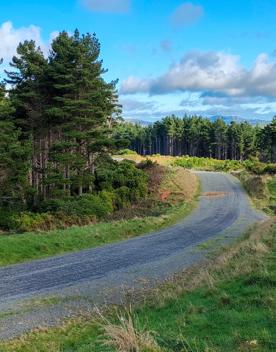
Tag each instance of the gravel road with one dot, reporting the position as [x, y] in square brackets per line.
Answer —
[80, 280]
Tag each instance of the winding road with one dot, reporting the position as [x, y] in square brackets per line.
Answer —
[100, 274]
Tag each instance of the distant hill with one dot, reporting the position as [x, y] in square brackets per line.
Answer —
[226, 119]
[238, 119]
[140, 122]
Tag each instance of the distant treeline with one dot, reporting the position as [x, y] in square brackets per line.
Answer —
[198, 136]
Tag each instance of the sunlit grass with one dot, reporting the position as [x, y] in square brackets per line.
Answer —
[235, 311]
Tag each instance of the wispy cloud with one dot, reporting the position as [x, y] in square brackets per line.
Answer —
[112, 6]
[186, 14]
[166, 45]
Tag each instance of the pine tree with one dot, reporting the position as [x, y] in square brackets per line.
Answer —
[81, 109]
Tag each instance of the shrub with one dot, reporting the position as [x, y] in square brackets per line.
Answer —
[9, 220]
[209, 164]
[255, 166]
[146, 164]
[36, 222]
[98, 205]
[127, 182]
[270, 169]
[127, 152]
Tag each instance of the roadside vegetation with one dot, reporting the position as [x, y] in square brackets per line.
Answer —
[227, 305]
[258, 179]
[172, 196]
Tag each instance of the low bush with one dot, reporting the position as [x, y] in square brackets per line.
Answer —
[117, 185]
[99, 205]
[30, 222]
[126, 152]
[208, 164]
[9, 220]
[146, 164]
[124, 180]
[252, 165]
[270, 169]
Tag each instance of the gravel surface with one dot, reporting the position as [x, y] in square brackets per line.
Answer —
[76, 282]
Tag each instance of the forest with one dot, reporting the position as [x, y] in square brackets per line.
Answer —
[200, 137]
[57, 115]
[60, 124]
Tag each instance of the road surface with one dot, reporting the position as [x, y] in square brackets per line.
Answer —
[98, 274]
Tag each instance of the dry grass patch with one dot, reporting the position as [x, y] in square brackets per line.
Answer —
[179, 185]
[125, 336]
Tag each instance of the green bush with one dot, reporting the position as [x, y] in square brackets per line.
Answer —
[126, 152]
[208, 164]
[124, 180]
[270, 169]
[117, 185]
[89, 204]
[146, 164]
[255, 166]
[9, 220]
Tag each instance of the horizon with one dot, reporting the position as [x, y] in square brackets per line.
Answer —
[173, 57]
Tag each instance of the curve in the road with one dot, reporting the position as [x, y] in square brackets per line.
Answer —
[222, 206]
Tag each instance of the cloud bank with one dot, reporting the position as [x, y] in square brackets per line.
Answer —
[217, 74]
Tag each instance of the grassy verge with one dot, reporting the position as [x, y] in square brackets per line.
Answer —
[228, 306]
[271, 184]
[262, 190]
[29, 246]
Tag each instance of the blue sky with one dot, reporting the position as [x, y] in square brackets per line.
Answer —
[209, 57]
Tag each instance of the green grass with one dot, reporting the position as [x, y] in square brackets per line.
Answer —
[271, 185]
[236, 313]
[29, 246]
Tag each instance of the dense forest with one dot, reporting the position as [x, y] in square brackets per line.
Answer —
[57, 114]
[198, 136]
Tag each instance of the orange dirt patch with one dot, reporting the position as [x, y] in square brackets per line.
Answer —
[165, 195]
[214, 194]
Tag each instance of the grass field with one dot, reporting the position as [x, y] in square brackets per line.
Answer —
[230, 306]
[28, 246]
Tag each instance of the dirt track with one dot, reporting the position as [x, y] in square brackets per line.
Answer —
[80, 280]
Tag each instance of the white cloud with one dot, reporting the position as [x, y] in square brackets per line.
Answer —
[186, 14]
[218, 73]
[114, 6]
[10, 37]
[134, 85]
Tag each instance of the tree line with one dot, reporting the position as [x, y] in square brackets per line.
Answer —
[201, 137]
